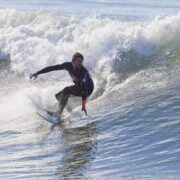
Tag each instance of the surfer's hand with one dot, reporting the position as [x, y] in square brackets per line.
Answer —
[84, 109]
[83, 106]
[35, 75]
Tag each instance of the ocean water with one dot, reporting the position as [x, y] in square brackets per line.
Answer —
[131, 50]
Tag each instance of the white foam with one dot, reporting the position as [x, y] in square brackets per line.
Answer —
[35, 40]
[38, 39]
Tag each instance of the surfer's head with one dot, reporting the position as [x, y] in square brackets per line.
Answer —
[77, 60]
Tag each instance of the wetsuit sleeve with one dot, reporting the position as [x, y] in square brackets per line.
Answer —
[53, 68]
[84, 90]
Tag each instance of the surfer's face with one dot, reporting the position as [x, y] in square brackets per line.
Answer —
[77, 64]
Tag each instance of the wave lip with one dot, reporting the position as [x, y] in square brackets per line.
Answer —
[37, 39]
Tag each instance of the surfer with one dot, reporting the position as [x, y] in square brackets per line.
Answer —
[83, 84]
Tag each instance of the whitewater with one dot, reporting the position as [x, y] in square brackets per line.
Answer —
[133, 124]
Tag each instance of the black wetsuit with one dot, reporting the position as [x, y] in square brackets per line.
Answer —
[83, 83]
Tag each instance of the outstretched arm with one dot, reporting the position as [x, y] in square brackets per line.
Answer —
[48, 69]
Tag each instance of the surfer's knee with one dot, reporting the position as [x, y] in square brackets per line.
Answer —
[66, 91]
[58, 96]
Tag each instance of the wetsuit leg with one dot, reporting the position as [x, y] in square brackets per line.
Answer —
[63, 95]
[74, 90]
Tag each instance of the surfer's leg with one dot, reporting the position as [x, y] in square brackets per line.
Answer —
[63, 96]
[63, 101]
[58, 96]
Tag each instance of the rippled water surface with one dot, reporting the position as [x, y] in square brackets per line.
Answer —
[131, 50]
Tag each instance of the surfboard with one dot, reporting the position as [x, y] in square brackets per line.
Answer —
[45, 114]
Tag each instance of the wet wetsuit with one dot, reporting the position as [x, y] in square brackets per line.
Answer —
[83, 83]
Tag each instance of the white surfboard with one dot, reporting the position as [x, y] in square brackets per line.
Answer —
[45, 115]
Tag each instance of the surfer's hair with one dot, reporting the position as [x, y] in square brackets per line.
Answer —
[77, 55]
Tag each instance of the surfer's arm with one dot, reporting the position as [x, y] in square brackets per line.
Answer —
[83, 106]
[49, 69]
[52, 68]
[84, 100]
[84, 93]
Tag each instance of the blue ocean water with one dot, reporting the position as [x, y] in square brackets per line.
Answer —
[131, 10]
[131, 50]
